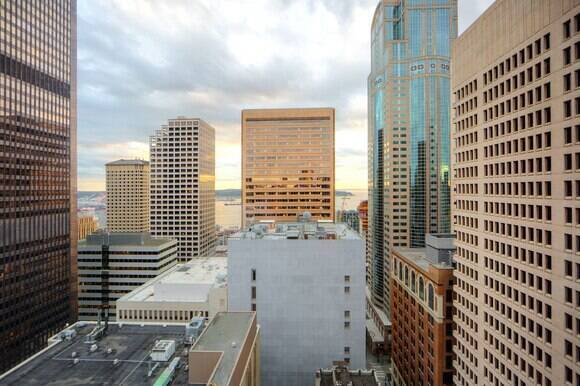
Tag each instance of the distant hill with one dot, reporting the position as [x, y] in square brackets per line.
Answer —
[228, 193]
[221, 194]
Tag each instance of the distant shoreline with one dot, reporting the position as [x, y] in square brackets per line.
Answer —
[221, 194]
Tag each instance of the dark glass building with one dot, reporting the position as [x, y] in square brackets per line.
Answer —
[409, 129]
[37, 174]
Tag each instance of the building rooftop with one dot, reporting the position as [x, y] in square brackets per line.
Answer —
[304, 229]
[225, 333]
[143, 239]
[438, 252]
[344, 376]
[122, 162]
[128, 362]
[190, 282]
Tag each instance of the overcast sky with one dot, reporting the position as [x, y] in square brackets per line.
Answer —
[141, 62]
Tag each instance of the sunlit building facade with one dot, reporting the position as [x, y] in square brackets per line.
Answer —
[128, 195]
[86, 225]
[287, 164]
[409, 128]
[37, 174]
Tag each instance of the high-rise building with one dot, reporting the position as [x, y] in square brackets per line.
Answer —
[37, 174]
[350, 218]
[306, 281]
[128, 196]
[422, 313]
[287, 164]
[114, 264]
[409, 129]
[516, 185]
[182, 157]
[86, 226]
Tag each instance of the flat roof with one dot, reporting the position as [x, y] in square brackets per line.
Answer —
[281, 230]
[330, 377]
[419, 257]
[190, 282]
[128, 162]
[225, 329]
[131, 344]
[143, 239]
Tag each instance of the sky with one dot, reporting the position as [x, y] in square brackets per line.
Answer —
[141, 62]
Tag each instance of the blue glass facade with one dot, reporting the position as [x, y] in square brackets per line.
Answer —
[410, 85]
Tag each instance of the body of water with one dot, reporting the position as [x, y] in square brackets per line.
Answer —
[228, 216]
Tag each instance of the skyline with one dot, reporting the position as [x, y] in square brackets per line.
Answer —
[248, 60]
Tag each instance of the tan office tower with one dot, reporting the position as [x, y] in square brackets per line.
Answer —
[183, 186]
[128, 196]
[516, 191]
[287, 164]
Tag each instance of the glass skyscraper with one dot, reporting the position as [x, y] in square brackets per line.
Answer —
[37, 174]
[409, 128]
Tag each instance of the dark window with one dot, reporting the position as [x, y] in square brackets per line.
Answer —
[567, 52]
[567, 82]
[566, 29]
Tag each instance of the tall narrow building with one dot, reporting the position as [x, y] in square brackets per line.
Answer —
[409, 129]
[38, 221]
[128, 196]
[516, 190]
[183, 186]
[287, 164]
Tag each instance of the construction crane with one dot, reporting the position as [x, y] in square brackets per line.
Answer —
[344, 198]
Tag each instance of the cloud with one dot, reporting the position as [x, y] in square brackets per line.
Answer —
[142, 62]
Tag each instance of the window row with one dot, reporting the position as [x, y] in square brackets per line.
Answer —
[529, 188]
[514, 146]
[523, 166]
[524, 55]
[526, 256]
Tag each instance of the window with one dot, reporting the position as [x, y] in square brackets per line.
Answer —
[431, 296]
[346, 289]
[567, 82]
[347, 314]
[347, 325]
[567, 161]
[421, 288]
[346, 278]
[253, 275]
[567, 55]
[567, 135]
[346, 350]
[567, 31]
[567, 109]
[253, 292]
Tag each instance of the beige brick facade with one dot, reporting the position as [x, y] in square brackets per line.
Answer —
[516, 191]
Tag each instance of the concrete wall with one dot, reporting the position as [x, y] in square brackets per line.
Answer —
[301, 303]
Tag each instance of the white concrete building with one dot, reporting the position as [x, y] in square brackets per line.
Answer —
[111, 265]
[183, 186]
[197, 288]
[306, 281]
